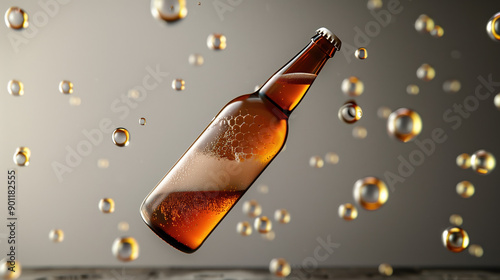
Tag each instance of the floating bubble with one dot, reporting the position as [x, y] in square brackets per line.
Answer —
[263, 189]
[16, 18]
[332, 158]
[452, 86]
[426, 72]
[455, 239]
[437, 31]
[66, 87]
[142, 121]
[270, 236]
[352, 86]
[465, 189]
[404, 124]
[216, 41]
[133, 94]
[107, 205]
[15, 88]
[22, 156]
[412, 89]
[316, 162]
[385, 269]
[476, 250]
[456, 220]
[125, 249]
[359, 132]
[280, 267]
[121, 137]
[56, 235]
[196, 59]
[244, 228]
[497, 101]
[262, 224]
[348, 212]
[123, 226]
[169, 10]
[10, 270]
[282, 216]
[384, 112]
[178, 84]
[75, 101]
[361, 53]
[350, 112]
[102, 163]
[373, 5]
[482, 162]
[493, 27]
[371, 193]
[252, 208]
[424, 24]
[463, 161]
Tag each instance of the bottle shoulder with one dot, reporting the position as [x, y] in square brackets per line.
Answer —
[255, 104]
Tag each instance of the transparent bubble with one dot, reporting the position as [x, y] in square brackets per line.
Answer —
[22, 156]
[15, 88]
[16, 18]
[125, 249]
[123, 226]
[332, 158]
[252, 208]
[476, 250]
[262, 224]
[482, 162]
[142, 121]
[371, 193]
[121, 137]
[385, 269]
[404, 124]
[169, 10]
[316, 162]
[456, 220]
[263, 189]
[348, 212]
[350, 112]
[463, 161]
[361, 53]
[452, 86]
[178, 84]
[455, 239]
[493, 27]
[216, 41]
[102, 163]
[279, 267]
[374, 4]
[244, 228]
[66, 87]
[359, 132]
[437, 31]
[384, 112]
[424, 24]
[352, 86]
[426, 72]
[465, 189]
[412, 89]
[196, 59]
[107, 205]
[282, 216]
[270, 236]
[133, 94]
[497, 101]
[75, 101]
[56, 235]
[10, 271]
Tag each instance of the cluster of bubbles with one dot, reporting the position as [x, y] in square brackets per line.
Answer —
[316, 162]
[482, 162]
[107, 205]
[121, 137]
[404, 124]
[280, 267]
[56, 235]
[425, 24]
[350, 112]
[261, 224]
[22, 156]
[125, 249]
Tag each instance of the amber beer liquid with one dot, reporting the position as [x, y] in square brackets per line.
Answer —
[239, 143]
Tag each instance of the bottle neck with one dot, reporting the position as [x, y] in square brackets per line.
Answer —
[287, 87]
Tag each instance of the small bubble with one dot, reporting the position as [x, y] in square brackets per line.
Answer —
[384, 112]
[350, 112]
[10, 274]
[404, 124]
[16, 18]
[452, 86]
[178, 84]
[465, 189]
[263, 189]
[476, 250]
[359, 132]
[371, 193]
[133, 94]
[216, 41]
[426, 72]
[316, 162]
[361, 53]
[244, 228]
[270, 236]
[332, 158]
[282, 216]
[56, 235]
[125, 249]
[456, 220]
[279, 267]
[352, 86]
[463, 161]
[493, 27]
[373, 5]
[497, 101]
[142, 121]
[15, 88]
[455, 239]
[102, 163]
[262, 224]
[196, 59]
[22, 156]
[121, 137]
[348, 212]
[169, 10]
[385, 269]
[123, 226]
[437, 31]
[107, 205]
[252, 208]
[424, 24]
[66, 87]
[199, 3]
[75, 101]
[412, 89]
[482, 162]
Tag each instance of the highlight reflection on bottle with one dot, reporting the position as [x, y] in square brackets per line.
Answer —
[229, 155]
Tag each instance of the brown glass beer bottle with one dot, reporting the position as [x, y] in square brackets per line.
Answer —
[229, 155]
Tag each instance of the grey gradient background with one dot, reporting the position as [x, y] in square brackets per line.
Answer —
[104, 47]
